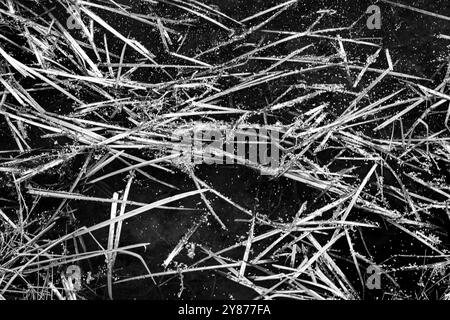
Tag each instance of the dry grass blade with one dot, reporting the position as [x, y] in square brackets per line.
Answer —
[110, 246]
[428, 13]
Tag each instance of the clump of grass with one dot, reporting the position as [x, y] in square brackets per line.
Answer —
[387, 151]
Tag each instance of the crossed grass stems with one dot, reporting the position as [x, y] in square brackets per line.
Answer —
[193, 92]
